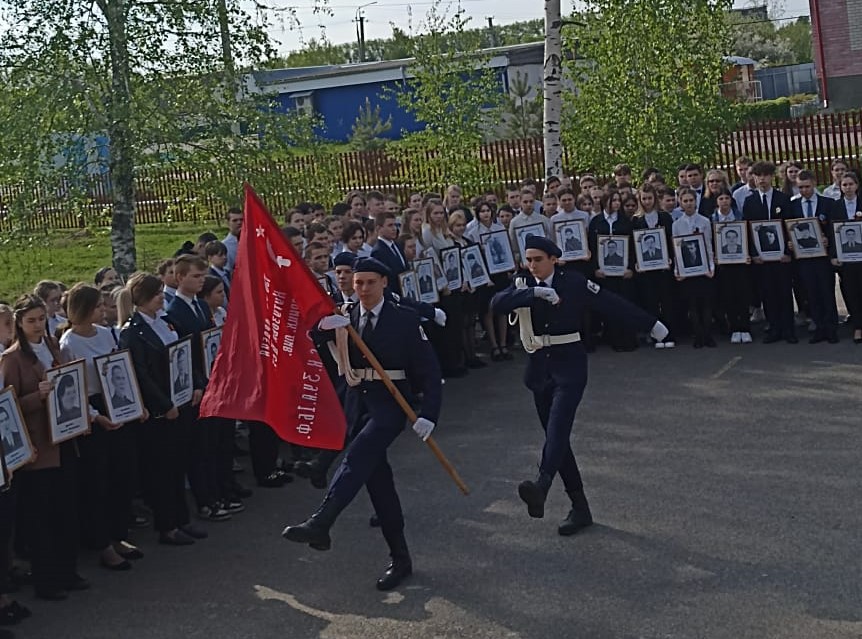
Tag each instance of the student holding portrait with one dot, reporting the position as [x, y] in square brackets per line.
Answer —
[849, 208]
[733, 280]
[162, 438]
[47, 487]
[108, 453]
[654, 288]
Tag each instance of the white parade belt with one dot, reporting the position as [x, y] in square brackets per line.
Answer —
[556, 340]
[371, 375]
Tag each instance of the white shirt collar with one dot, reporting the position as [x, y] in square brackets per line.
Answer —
[549, 281]
[376, 310]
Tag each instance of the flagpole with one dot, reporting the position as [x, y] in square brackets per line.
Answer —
[406, 407]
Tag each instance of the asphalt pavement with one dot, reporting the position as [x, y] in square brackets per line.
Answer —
[724, 484]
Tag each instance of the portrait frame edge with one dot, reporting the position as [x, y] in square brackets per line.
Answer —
[25, 434]
[126, 355]
[511, 264]
[600, 257]
[80, 366]
[173, 347]
[790, 227]
[743, 242]
[638, 236]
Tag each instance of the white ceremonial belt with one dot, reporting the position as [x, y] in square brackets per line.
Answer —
[371, 375]
[556, 340]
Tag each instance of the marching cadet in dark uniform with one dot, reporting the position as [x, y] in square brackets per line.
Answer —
[316, 468]
[552, 301]
[374, 418]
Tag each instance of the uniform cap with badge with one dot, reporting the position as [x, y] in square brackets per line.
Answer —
[542, 244]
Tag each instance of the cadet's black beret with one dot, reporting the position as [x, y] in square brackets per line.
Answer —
[345, 258]
[370, 265]
[542, 244]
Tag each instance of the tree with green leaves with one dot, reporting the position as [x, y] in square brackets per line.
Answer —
[154, 83]
[456, 97]
[646, 80]
[369, 128]
[521, 112]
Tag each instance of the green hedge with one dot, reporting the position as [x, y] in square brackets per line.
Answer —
[764, 110]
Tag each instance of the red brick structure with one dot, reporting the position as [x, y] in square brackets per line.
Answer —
[836, 27]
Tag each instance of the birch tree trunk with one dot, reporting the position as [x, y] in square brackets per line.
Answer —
[553, 90]
[120, 139]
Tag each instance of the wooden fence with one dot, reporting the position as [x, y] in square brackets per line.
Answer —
[180, 196]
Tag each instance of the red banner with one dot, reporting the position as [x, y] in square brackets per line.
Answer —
[267, 368]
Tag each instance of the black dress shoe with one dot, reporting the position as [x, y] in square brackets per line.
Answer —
[792, 339]
[128, 551]
[772, 338]
[817, 338]
[77, 583]
[312, 471]
[709, 342]
[310, 532]
[194, 532]
[120, 567]
[273, 480]
[178, 538]
[833, 339]
[397, 572]
[534, 496]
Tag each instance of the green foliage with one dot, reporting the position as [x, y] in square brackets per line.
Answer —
[770, 45]
[522, 115]
[649, 94]
[75, 257]
[778, 109]
[457, 97]
[369, 128]
[797, 35]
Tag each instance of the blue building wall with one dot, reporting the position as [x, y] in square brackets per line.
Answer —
[339, 107]
[780, 82]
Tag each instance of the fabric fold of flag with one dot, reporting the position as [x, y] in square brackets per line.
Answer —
[267, 368]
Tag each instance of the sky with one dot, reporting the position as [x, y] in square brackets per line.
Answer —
[340, 26]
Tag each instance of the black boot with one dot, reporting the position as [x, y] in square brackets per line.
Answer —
[534, 493]
[579, 516]
[401, 566]
[314, 531]
[312, 471]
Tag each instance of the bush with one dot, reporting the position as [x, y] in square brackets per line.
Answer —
[778, 109]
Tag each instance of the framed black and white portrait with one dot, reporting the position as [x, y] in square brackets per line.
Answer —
[498, 252]
[523, 232]
[848, 241]
[119, 387]
[806, 238]
[68, 402]
[651, 250]
[613, 254]
[451, 259]
[475, 271]
[424, 269]
[409, 285]
[17, 449]
[692, 259]
[439, 277]
[180, 357]
[210, 343]
[768, 239]
[731, 243]
[571, 238]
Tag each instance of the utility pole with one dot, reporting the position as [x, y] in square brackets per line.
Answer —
[492, 35]
[360, 29]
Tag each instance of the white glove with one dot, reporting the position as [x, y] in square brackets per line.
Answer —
[439, 317]
[331, 322]
[546, 293]
[423, 428]
[659, 331]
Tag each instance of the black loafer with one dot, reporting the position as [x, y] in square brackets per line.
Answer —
[397, 572]
[179, 538]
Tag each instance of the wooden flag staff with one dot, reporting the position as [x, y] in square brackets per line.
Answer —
[406, 407]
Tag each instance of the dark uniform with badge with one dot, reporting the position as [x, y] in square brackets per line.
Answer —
[375, 419]
[557, 370]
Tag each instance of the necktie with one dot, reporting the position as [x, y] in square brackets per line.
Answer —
[397, 252]
[766, 206]
[368, 328]
[808, 212]
[199, 311]
[541, 283]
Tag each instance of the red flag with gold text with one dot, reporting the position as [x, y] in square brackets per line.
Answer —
[267, 368]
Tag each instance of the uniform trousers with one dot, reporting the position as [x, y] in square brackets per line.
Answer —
[263, 447]
[818, 279]
[556, 406]
[698, 292]
[851, 276]
[164, 446]
[201, 462]
[8, 499]
[48, 510]
[616, 333]
[448, 340]
[654, 296]
[106, 482]
[733, 296]
[776, 291]
[380, 420]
